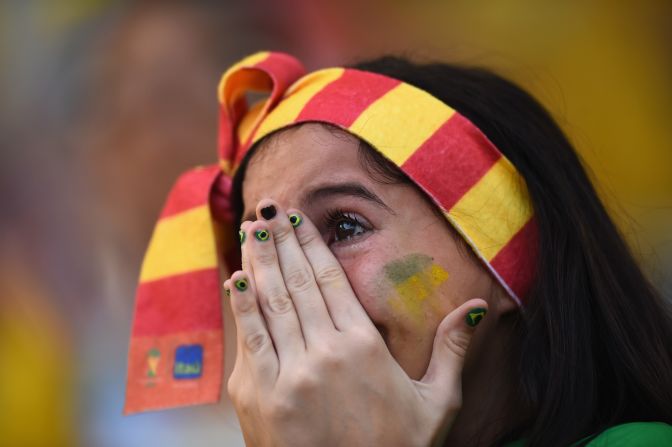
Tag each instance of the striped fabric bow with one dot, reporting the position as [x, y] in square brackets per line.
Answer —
[176, 349]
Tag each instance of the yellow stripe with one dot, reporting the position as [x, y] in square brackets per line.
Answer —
[225, 166]
[400, 121]
[296, 99]
[180, 243]
[248, 120]
[493, 210]
[250, 60]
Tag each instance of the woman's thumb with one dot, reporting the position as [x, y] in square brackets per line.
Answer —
[451, 342]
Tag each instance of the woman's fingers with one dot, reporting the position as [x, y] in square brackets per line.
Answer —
[252, 334]
[296, 272]
[274, 299]
[344, 307]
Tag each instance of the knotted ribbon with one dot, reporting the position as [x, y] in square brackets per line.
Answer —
[176, 347]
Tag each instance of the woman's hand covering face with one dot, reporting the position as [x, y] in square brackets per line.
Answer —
[311, 368]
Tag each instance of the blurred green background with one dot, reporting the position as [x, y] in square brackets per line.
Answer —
[104, 103]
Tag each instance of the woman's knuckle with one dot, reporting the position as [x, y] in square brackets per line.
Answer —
[303, 381]
[267, 258]
[307, 238]
[367, 343]
[279, 409]
[281, 235]
[281, 304]
[330, 358]
[360, 335]
[256, 342]
[457, 343]
[329, 274]
[299, 280]
[278, 301]
[245, 306]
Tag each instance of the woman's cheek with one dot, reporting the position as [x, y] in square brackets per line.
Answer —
[363, 271]
[393, 286]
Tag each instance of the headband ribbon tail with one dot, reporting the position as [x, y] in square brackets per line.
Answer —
[176, 349]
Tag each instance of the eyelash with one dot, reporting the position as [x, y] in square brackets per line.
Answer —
[334, 217]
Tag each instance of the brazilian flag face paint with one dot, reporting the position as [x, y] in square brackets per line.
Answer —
[295, 220]
[241, 285]
[262, 235]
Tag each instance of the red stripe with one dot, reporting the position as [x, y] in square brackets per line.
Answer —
[282, 69]
[190, 190]
[342, 101]
[516, 263]
[451, 161]
[178, 303]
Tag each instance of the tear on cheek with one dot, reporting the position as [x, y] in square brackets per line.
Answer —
[414, 280]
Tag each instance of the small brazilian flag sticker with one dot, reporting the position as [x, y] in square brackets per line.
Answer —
[475, 316]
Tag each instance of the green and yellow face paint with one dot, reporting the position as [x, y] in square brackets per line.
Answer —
[295, 220]
[415, 279]
[262, 235]
[241, 284]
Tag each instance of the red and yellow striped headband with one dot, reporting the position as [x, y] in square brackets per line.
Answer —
[176, 348]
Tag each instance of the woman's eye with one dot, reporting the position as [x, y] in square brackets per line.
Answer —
[347, 229]
[342, 226]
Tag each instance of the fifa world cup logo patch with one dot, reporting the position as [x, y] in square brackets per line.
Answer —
[153, 358]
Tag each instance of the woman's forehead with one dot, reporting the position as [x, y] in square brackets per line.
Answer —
[301, 155]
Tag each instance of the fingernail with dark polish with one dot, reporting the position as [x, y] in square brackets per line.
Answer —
[475, 316]
[268, 212]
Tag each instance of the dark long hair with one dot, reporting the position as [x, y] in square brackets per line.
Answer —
[596, 338]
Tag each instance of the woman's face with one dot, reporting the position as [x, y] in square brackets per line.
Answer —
[402, 259]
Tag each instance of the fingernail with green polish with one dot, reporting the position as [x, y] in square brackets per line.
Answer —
[262, 235]
[227, 291]
[475, 316]
[241, 285]
[295, 220]
[241, 235]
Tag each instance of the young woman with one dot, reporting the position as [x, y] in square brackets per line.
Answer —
[590, 351]
[424, 261]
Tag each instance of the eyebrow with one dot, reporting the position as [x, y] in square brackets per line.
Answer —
[350, 189]
[344, 189]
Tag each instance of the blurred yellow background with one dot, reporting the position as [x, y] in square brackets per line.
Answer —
[104, 103]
